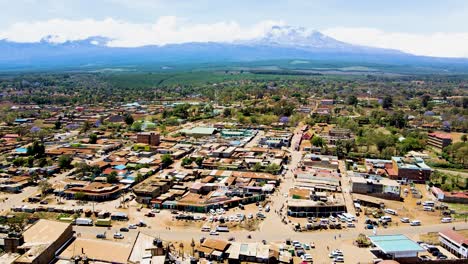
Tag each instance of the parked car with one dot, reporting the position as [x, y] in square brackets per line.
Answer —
[102, 236]
[338, 259]
[415, 223]
[132, 226]
[429, 208]
[118, 236]
[307, 257]
[124, 229]
[214, 233]
[446, 220]
[405, 220]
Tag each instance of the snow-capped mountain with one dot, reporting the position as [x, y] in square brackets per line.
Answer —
[279, 43]
[297, 36]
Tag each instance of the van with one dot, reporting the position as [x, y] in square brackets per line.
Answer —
[428, 209]
[385, 219]
[390, 211]
[84, 221]
[428, 203]
[415, 223]
[446, 220]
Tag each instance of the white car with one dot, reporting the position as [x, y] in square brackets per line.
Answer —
[307, 257]
[415, 223]
[118, 236]
[350, 224]
[405, 220]
[132, 226]
[446, 220]
[338, 259]
[250, 216]
[214, 233]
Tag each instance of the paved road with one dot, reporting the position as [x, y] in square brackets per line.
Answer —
[253, 142]
[279, 235]
[346, 188]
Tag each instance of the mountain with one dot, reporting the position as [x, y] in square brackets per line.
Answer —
[280, 43]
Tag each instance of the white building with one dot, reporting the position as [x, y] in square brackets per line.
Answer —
[454, 242]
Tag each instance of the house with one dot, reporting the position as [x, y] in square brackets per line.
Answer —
[455, 242]
[41, 242]
[94, 191]
[199, 131]
[149, 138]
[439, 140]
[409, 170]
[375, 185]
[213, 249]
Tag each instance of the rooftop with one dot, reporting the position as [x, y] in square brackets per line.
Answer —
[395, 243]
[458, 237]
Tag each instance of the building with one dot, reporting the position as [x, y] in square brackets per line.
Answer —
[375, 186]
[94, 191]
[149, 138]
[409, 170]
[199, 131]
[450, 197]
[455, 242]
[151, 188]
[43, 241]
[398, 246]
[439, 140]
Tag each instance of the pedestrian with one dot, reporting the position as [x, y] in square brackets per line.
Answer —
[335, 237]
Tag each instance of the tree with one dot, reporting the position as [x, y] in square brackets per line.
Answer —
[58, 125]
[80, 196]
[186, 162]
[86, 127]
[387, 102]
[44, 186]
[425, 100]
[93, 138]
[64, 161]
[227, 112]
[257, 167]
[348, 145]
[199, 161]
[128, 119]
[112, 177]
[317, 141]
[36, 149]
[352, 100]
[139, 178]
[166, 160]
[137, 126]
[272, 168]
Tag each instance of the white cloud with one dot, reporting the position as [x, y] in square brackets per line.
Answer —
[167, 29]
[170, 29]
[435, 44]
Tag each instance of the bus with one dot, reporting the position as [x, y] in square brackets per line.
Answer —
[349, 216]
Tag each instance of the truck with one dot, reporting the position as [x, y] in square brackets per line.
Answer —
[84, 221]
[66, 219]
[103, 222]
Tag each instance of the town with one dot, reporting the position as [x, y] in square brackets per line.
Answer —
[254, 172]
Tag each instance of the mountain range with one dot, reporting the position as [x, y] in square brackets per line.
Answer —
[280, 43]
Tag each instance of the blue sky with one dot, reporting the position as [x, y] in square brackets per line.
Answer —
[426, 27]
